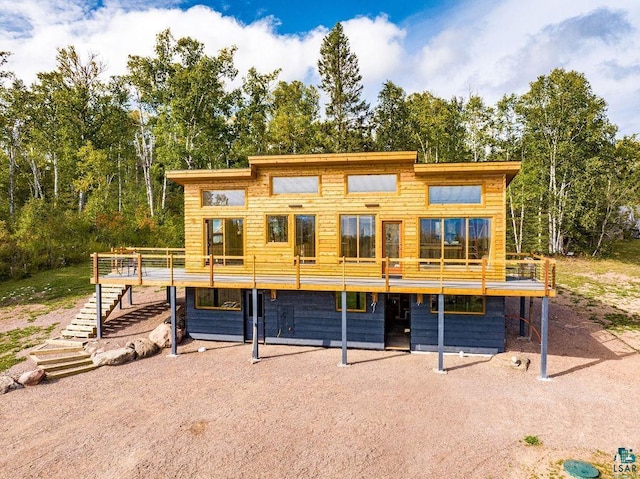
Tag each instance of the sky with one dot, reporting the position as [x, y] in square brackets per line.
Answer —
[447, 47]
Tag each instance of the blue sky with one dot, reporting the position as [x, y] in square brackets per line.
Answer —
[448, 47]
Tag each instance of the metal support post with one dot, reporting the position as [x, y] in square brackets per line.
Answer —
[344, 329]
[254, 301]
[441, 333]
[174, 326]
[544, 335]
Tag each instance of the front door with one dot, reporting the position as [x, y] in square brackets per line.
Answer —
[397, 321]
[391, 246]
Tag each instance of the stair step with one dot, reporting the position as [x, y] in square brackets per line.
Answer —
[78, 334]
[65, 343]
[76, 356]
[70, 372]
[88, 316]
[85, 322]
[67, 365]
[91, 308]
[80, 327]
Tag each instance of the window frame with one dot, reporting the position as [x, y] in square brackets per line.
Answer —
[222, 259]
[358, 257]
[372, 191]
[287, 226]
[294, 179]
[205, 190]
[216, 292]
[433, 307]
[361, 309]
[467, 260]
[456, 203]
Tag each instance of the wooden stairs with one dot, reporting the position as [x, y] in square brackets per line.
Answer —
[84, 324]
[66, 356]
[60, 358]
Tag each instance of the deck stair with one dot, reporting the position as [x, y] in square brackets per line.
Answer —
[84, 324]
[60, 358]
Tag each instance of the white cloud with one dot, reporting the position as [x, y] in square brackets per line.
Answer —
[489, 48]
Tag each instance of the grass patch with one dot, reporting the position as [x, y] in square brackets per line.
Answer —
[15, 340]
[50, 288]
[532, 441]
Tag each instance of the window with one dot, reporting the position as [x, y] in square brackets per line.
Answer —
[285, 185]
[223, 198]
[372, 183]
[305, 239]
[455, 195]
[358, 236]
[218, 298]
[455, 238]
[278, 229]
[225, 239]
[356, 302]
[459, 304]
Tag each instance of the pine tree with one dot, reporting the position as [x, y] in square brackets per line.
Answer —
[347, 113]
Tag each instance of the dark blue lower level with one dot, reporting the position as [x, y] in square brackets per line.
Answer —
[310, 318]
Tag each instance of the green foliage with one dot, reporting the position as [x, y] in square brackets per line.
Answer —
[48, 287]
[347, 111]
[532, 441]
[15, 340]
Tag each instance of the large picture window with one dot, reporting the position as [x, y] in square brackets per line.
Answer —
[225, 239]
[459, 304]
[358, 236]
[455, 238]
[218, 298]
[305, 239]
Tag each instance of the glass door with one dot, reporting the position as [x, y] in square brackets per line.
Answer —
[391, 246]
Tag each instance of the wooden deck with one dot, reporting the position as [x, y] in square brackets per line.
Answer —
[529, 277]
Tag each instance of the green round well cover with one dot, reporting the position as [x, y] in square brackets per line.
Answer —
[581, 469]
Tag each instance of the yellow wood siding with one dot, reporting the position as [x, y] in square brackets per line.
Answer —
[408, 205]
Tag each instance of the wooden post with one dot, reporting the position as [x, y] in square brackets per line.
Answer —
[174, 325]
[344, 272]
[211, 270]
[546, 278]
[254, 271]
[386, 274]
[484, 276]
[344, 329]
[139, 268]
[297, 262]
[255, 357]
[96, 270]
[99, 310]
[130, 295]
[171, 268]
[544, 334]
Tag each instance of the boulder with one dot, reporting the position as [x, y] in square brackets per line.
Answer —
[114, 357]
[31, 378]
[162, 335]
[143, 347]
[7, 384]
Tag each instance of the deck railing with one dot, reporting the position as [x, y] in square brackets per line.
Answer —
[137, 265]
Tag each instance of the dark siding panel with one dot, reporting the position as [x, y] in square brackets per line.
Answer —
[461, 332]
[212, 323]
[303, 317]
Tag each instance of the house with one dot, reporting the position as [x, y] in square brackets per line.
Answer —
[360, 250]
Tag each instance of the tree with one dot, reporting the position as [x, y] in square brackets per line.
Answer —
[292, 128]
[565, 126]
[391, 119]
[477, 122]
[347, 112]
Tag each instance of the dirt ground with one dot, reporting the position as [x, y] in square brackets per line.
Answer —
[296, 414]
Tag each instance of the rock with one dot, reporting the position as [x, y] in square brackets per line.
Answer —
[143, 347]
[114, 357]
[512, 361]
[31, 378]
[7, 384]
[162, 335]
